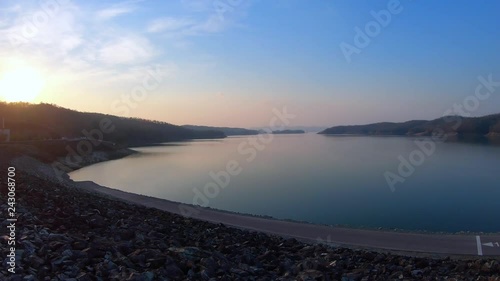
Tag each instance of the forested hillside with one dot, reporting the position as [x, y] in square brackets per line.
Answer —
[45, 121]
[453, 125]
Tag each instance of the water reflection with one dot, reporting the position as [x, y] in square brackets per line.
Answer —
[323, 179]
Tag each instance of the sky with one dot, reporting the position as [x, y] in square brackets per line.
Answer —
[232, 62]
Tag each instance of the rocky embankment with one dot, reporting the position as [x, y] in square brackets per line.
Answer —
[65, 233]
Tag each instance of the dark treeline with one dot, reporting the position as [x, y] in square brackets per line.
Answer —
[46, 121]
[289, 132]
[227, 131]
[454, 125]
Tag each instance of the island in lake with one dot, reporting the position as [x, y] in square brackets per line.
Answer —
[289, 132]
[227, 131]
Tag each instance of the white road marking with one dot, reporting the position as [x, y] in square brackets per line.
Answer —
[488, 244]
[479, 247]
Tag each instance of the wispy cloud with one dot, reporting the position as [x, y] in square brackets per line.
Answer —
[189, 27]
[169, 24]
[12, 9]
[127, 50]
[58, 33]
[198, 5]
[117, 10]
[212, 24]
[81, 43]
[113, 12]
[3, 23]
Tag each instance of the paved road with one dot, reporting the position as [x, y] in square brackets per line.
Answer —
[471, 245]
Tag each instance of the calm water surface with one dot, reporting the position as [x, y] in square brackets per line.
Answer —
[321, 179]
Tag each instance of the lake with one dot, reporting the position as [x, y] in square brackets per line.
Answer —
[335, 180]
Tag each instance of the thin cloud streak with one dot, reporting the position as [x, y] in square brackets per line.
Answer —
[169, 24]
[119, 9]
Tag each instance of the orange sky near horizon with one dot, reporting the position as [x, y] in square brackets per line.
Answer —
[183, 62]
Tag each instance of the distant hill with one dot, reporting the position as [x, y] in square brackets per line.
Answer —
[44, 121]
[289, 132]
[307, 129]
[225, 130]
[469, 126]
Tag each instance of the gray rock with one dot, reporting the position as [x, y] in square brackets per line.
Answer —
[174, 271]
[97, 221]
[417, 273]
[30, 278]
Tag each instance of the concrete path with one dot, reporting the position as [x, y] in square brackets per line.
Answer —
[470, 245]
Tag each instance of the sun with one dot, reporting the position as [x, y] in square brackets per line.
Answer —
[23, 83]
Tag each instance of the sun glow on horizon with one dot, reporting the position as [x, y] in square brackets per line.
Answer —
[21, 84]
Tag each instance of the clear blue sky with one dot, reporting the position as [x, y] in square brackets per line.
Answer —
[230, 65]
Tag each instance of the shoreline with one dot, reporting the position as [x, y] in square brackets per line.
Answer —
[310, 233]
[106, 190]
[130, 152]
[461, 244]
[67, 226]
